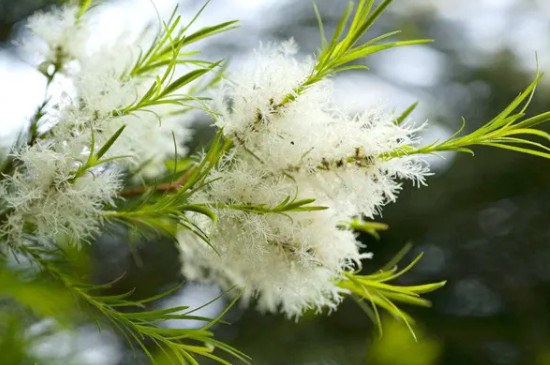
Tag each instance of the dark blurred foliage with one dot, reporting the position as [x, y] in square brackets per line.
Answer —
[12, 11]
[484, 225]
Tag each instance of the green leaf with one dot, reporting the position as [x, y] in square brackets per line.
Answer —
[401, 118]
[186, 79]
[109, 143]
[85, 4]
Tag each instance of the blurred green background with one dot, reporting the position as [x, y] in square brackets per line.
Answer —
[483, 222]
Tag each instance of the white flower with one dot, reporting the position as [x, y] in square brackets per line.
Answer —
[289, 262]
[259, 87]
[41, 196]
[42, 193]
[58, 37]
[290, 139]
[101, 87]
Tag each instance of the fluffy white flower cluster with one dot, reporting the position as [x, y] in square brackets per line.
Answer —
[44, 191]
[293, 141]
[102, 86]
[43, 194]
[60, 37]
[101, 89]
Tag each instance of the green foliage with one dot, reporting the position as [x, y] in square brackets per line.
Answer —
[288, 205]
[343, 49]
[84, 6]
[371, 228]
[164, 212]
[508, 130]
[143, 327]
[179, 165]
[14, 342]
[137, 324]
[165, 54]
[163, 91]
[31, 294]
[375, 289]
[166, 47]
[27, 298]
[401, 118]
[95, 158]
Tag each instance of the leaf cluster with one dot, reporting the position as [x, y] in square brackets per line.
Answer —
[140, 326]
[165, 212]
[166, 47]
[166, 53]
[163, 91]
[344, 47]
[143, 326]
[375, 291]
[508, 130]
